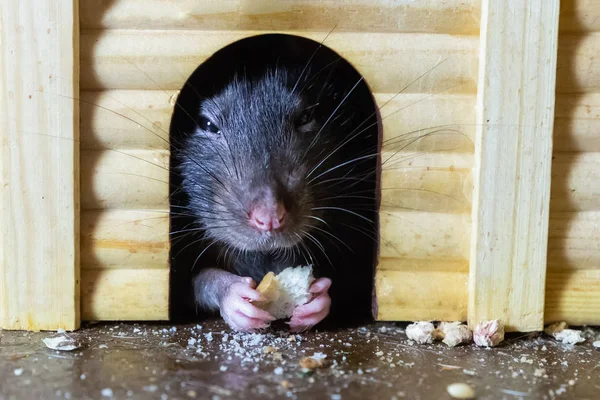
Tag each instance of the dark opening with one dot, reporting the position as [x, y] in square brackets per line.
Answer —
[352, 243]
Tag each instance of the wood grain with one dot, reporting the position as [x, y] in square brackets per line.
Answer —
[579, 16]
[130, 179]
[449, 16]
[39, 190]
[578, 57]
[574, 240]
[124, 294]
[126, 119]
[512, 163]
[152, 60]
[575, 178]
[409, 289]
[573, 296]
[423, 235]
[577, 123]
[135, 119]
[125, 239]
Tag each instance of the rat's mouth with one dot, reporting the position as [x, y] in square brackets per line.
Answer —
[274, 240]
[251, 240]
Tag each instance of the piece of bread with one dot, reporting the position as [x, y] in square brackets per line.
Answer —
[285, 291]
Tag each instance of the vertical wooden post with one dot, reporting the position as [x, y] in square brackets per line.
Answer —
[513, 154]
[39, 162]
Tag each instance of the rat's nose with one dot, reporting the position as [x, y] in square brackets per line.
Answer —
[268, 217]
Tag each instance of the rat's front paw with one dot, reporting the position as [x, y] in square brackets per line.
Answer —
[239, 313]
[313, 312]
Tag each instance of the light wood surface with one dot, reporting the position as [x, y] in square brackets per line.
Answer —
[124, 294]
[578, 57]
[406, 234]
[573, 278]
[417, 290]
[39, 188]
[136, 59]
[448, 16]
[117, 238]
[131, 179]
[572, 296]
[577, 122]
[512, 163]
[579, 16]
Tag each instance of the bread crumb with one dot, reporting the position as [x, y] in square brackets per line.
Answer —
[311, 363]
[107, 392]
[569, 336]
[278, 371]
[489, 333]
[454, 333]
[18, 371]
[269, 349]
[539, 372]
[286, 384]
[461, 391]
[556, 327]
[421, 332]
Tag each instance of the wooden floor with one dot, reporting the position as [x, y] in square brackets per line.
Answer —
[207, 361]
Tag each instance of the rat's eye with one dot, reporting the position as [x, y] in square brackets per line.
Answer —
[206, 125]
[304, 118]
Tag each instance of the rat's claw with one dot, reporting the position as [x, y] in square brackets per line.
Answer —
[320, 285]
[243, 323]
[311, 313]
[239, 313]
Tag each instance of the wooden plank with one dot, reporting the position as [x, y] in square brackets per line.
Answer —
[137, 59]
[39, 191]
[578, 58]
[573, 296]
[574, 240]
[423, 235]
[446, 190]
[449, 16]
[512, 162]
[579, 16]
[125, 239]
[126, 119]
[445, 121]
[577, 123]
[133, 179]
[125, 294]
[409, 290]
[575, 178]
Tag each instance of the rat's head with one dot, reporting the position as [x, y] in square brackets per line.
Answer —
[247, 166]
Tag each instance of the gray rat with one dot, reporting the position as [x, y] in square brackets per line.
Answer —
[273, 166]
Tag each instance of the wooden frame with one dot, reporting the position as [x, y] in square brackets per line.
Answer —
[513, 156]
[39, 161]
[502, 230]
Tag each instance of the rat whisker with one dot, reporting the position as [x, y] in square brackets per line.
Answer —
[343, 210]
[201, 253]
[332, 114]
[318, 244]
[312, 56]
[331, 235]
[317, 218]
